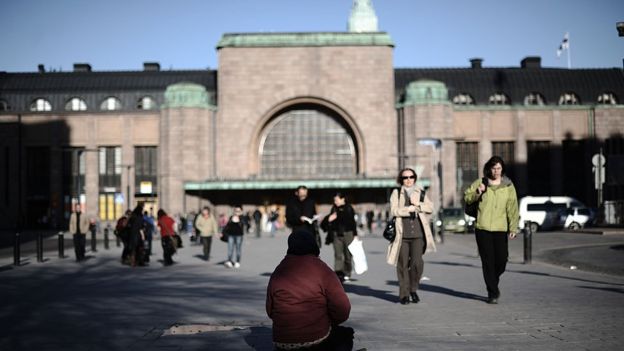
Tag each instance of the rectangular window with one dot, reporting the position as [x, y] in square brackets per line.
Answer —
[6, 176]
[146, 169]
[38, 172]
[576, 161]
[505, 149]
[467, 165]
[538, 167]
[110, 168]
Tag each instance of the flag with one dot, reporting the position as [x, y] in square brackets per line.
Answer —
[565, 45]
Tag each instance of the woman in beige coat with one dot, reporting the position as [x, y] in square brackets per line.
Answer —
[413, 234]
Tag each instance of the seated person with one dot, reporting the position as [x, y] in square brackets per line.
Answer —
[306, 300]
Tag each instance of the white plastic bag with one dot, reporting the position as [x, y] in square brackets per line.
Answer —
[359, 258]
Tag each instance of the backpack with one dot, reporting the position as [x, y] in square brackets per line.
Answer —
[121, 228]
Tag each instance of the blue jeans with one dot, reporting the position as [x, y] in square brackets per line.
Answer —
[234, 242]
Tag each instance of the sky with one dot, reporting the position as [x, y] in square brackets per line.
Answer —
[119, 35]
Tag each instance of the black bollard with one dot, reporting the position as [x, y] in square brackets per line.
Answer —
[39, 247]
[61, 245]
[118, 242]
[93, 241]
[528, 242]
[16, 250]
[106, 238]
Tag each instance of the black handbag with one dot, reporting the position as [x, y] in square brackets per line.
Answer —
[390, 232]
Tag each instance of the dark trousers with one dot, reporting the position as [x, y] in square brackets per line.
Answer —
[343, 261]
[493, 251]
[410, 266]
[340, 339]
[207, 242]
[79, 246]
[168, 249]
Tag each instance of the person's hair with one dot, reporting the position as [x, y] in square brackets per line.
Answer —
[206, 208]
[138, 210]
[339, 195]
[301, 187]
[399, 178]
[145, 213]
[487, 168]
[161, 213]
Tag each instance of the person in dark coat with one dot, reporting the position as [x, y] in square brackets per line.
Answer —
[137, 236]
[341, 229]
[301, 213]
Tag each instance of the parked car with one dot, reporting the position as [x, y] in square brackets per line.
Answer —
[578, 217]
[453, 219]
[545, 212]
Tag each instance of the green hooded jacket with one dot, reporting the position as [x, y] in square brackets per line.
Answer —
[498, 209]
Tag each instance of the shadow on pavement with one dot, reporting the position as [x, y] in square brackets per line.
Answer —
[451, 292]
[455, 264]
[615, 290]
[368, 291]
[563, 277]
[260, 338]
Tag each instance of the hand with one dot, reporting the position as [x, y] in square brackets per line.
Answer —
[303, 218]
[512, 235]
[412, 208]
[481, 188]
[333, 216]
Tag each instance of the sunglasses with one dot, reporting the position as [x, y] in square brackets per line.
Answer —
[408, 177]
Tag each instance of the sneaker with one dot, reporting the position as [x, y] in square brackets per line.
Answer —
[236, 265]
[347, 278]
[228, 264]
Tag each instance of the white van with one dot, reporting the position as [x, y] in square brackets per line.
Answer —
[545, 212]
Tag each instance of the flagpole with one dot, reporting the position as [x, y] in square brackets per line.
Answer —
[568, 51]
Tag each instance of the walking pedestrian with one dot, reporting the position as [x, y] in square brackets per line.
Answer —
[167, 231]
[341, 229]
[306, 301]
[234, 231]
[411, 208]
[150, 226]
[301, 213]
[78, 227]
[206, 224]
[497, 220]
[137, 236]
[257, 217]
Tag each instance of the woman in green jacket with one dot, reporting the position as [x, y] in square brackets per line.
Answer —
[497, 220]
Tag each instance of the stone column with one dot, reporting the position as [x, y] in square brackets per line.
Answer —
[521, 155]
[556, 156]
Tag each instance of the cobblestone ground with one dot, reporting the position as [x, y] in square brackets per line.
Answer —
[197, 305]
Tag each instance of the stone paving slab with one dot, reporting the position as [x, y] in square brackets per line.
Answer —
[101, 305]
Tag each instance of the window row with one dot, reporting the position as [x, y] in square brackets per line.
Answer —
[110, 103]
[535, 99]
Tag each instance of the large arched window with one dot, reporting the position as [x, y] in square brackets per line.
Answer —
[307, 143]
[40, 105]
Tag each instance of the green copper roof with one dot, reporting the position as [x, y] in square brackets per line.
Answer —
[291, 184]
[363, 17]
[426, 92]
[231, 40]
[186, 94]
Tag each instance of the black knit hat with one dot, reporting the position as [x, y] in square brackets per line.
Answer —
[301, 242]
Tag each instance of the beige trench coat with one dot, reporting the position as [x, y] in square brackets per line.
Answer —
[84, 223]
[398, 209]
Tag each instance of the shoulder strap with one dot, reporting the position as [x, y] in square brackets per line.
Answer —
[422, 195]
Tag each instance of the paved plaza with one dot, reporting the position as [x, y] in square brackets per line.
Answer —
[570, 298]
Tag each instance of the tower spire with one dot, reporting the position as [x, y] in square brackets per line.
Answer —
[363, 17]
